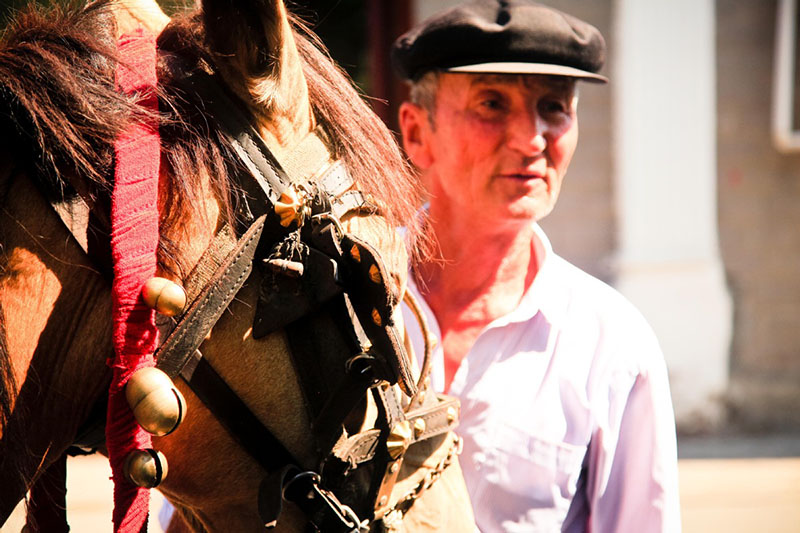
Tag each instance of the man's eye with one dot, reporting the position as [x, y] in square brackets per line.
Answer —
[553, 106]
[492, 104]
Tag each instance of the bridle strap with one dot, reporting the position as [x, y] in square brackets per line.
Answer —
[237, 418]
[209, 305]
[261, 165]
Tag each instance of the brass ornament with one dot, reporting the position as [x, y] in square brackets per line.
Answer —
[419, 427]
[164, 295]
[355, 253]
[451, 414]
[376, 317]
[374, 274]
[399, 439]
[145, 468]
[157, 405]
[289, 208]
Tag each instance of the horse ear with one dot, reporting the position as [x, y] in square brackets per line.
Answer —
[247, 37]
[132, 14]
[256, 54]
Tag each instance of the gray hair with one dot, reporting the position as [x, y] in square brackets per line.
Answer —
[422, 92]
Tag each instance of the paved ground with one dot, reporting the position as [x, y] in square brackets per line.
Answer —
[731, 485]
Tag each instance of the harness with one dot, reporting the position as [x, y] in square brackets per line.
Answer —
[332, 295]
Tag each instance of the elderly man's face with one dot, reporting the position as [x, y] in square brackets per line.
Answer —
[499, 146]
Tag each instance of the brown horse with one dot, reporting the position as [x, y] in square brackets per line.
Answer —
[59, 117]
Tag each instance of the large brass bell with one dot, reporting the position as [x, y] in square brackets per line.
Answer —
[165, 296]
[145, 468]
[156, 404]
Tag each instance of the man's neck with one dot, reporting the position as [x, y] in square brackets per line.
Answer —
[484, 272]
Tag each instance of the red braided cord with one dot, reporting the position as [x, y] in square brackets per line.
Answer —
[134, 238]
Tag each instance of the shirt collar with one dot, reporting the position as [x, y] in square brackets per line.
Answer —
[542, 295]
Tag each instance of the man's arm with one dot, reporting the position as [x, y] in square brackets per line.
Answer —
[633, 471]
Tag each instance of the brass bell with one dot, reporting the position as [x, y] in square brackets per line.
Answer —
[156, 404]
[165, 296]
[145, 468]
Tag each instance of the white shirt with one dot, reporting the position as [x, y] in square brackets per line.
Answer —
[573, 378]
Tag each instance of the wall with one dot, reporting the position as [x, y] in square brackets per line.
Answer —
[759, 217]
[755, 189]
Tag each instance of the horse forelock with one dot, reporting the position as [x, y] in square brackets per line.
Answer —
[56, 72]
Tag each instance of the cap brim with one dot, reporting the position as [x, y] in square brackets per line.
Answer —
[530, 68]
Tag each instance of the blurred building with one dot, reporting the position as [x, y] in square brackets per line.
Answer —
[684, 191]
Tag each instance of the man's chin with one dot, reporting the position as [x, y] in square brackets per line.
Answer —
[529, 209]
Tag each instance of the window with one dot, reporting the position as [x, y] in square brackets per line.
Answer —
[786, 79]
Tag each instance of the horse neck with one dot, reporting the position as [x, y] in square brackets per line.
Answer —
[55, 311]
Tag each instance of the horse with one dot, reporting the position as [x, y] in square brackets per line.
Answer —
[60, 114]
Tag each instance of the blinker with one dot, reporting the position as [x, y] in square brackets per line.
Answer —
[157, 405]
[165, 296]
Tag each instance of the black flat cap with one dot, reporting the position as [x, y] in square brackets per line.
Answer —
[502, 37]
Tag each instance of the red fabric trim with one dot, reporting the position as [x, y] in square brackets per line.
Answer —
[134, 239]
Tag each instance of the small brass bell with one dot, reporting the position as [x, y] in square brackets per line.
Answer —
[156, 404]
[145, 468]
[165, 296]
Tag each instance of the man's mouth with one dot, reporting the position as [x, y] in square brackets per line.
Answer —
[522, 175]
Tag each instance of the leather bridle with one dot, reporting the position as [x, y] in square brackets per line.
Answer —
[331, 293]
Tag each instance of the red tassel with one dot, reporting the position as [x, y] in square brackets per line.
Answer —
[134, 240]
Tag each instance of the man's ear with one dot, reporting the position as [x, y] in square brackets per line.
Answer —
[415, 127]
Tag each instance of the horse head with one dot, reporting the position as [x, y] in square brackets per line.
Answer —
[244, 90]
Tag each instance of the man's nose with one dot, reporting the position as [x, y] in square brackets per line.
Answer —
[527, 134]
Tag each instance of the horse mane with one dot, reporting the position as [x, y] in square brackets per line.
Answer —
[59, 106]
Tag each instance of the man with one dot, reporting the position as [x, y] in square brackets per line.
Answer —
[566, 413]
